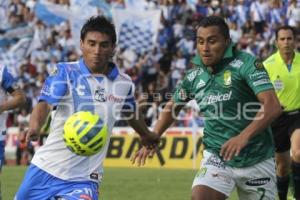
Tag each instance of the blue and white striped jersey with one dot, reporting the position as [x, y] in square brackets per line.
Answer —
[73, 88]
[7, 81]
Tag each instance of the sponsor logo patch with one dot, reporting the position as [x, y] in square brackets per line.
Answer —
[53, 71]
[215, 161]
[192, 76]
[258, 64]
[236, 63]
[258, 74]
[211, 99]
[200, 84]
[221, 177]
[261, 82]
[201, 173]
[278, 84]
[94, 176]
[258, 181]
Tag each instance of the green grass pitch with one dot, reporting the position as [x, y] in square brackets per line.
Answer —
[124, 183]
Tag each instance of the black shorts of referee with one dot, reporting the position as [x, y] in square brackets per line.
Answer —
[282, 129]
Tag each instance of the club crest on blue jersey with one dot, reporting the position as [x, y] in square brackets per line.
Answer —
[100, 95]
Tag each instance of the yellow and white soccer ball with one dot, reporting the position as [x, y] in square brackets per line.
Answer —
[85, 133]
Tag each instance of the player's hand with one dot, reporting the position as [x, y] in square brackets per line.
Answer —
[233, 147]
[31, 135]
[141, 156]
[150, 140]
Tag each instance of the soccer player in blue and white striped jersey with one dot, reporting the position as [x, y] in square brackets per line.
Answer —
[94, 84]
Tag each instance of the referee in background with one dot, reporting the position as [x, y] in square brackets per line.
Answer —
[283, 68]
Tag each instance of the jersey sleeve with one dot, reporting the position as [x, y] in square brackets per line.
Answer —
[130, 103]
[8, 81]
[182, 92]
[256, 76]
[55, 86]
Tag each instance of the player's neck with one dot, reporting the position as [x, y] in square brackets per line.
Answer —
[288, 57]
[101, 71]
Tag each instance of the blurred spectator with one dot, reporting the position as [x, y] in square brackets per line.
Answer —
[293, 14]
[25, 151]
[23, 118]
[259, 11]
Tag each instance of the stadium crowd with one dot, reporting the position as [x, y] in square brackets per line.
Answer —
[155, 74]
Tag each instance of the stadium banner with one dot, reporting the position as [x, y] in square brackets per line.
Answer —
[136, 30]
[135, 5]
[16, 53]
[179, 148]
[49, 13]
[11, 36]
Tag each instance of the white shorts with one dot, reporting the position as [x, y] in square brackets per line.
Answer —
[255, 182]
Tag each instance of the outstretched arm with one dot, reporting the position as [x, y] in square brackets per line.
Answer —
[165, 119]
[18, 99]
[148, 138]
[37, 119]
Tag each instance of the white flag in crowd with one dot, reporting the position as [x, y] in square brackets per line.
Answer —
[15, 55]
[135, 5]
[137, 30]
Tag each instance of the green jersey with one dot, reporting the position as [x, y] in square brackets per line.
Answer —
[227, 98]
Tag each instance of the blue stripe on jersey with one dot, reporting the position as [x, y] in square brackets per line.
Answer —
[55, 87]
[129, 103]
[81, 91]
[7, 79]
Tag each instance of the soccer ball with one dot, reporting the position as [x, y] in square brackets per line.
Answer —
[85, 133]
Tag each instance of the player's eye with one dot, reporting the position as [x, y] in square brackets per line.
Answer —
[104, 45]
[200, 41]
[212, 41]
[92, 44]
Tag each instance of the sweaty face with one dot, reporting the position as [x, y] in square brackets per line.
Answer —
[211, 45]
[97, 49]
[285, 41]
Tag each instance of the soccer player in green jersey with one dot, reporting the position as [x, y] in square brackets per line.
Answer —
[283, 68]
[238, 101]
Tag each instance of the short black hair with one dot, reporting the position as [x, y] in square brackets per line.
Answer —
[286, 27]
[99, 24]
[216, 21]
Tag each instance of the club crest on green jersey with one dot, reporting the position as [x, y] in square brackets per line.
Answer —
[227, 78]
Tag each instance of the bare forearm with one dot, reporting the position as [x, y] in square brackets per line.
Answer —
[166, 117]
[39, 115]
[18, 99]
[137, 122]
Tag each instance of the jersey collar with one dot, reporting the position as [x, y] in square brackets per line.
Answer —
[278, 58]
[229, 53]
[112, 74]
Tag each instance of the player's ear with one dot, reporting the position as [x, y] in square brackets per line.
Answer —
[228, 41]
[276, 44]
[113, 50]
[81, 44]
